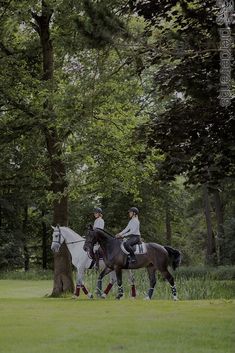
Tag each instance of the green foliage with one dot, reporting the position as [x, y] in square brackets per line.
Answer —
[99, 26]
[220, 273]
[193, 131]
[229, 246]
[10, 250]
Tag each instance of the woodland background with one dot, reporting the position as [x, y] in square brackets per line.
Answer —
[114, 104]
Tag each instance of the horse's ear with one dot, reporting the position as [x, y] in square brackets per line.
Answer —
[53, 227]
[90, 227]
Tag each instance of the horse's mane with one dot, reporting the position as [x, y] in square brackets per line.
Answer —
[74, 233]
[106, 232]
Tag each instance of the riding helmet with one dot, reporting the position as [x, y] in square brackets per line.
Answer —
[134, 209]
[98, 210]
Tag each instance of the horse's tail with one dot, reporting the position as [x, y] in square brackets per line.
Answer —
[174, 255]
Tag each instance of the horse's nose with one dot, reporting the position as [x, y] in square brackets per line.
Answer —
[84, 247]
[55, 247]
[52, 246]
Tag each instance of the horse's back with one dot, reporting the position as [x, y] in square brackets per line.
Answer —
[157, 247]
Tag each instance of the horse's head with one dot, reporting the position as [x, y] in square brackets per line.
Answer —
[90, 241]
[57, 239]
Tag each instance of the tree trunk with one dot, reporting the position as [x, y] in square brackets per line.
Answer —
[0, 215]
[219, 210]
[210, 243]
[24, 231]
[168, 224]
[63, 281]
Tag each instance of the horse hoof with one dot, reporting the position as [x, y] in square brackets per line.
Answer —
[90, 296]
[75, 296]
[103, 296]
[98, 293]
[118, 297]
[175, 298]
[147, 298]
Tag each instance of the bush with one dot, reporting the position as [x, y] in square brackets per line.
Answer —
[215, 273]
[28, 275]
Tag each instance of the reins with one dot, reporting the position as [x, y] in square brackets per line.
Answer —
[73, 242]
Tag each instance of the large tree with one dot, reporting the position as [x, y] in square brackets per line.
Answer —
[191, 128]
[50, 51]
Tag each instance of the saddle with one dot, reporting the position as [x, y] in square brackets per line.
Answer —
[139, 249]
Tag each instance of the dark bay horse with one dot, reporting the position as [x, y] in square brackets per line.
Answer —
[157, 258]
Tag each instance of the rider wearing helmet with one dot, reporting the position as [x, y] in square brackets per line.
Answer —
[132, 232]
[99, 222]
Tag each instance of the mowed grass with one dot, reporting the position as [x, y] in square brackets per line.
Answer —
[32, 323]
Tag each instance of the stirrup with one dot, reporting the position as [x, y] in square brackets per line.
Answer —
[133, 260]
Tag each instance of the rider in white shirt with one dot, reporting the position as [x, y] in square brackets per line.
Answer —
[98, 223]
[132, 232]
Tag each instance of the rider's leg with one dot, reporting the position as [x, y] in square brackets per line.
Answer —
[134, 239]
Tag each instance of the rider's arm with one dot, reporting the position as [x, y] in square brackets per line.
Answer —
[133, 226]
[126, 230]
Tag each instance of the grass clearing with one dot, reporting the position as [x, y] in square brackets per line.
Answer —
[31, 323]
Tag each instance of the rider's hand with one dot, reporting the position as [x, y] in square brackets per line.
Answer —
[118, 236]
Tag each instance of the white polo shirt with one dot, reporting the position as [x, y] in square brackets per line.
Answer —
[133, 227]
[99, 223]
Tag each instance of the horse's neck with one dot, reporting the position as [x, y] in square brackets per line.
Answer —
[105, 240]
[70, 235]
[74, 242]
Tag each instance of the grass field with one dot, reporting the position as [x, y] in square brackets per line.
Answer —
[32, 323]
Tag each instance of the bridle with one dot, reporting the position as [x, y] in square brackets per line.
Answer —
[92, 241]
[61, 236]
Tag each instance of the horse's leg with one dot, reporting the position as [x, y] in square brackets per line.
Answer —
[119, 283]
[80, 284]
[166, 274]
[112, 280]
[132, 281]
[152, 279]
[99, 281]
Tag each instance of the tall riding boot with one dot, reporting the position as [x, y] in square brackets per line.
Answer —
[132, 256]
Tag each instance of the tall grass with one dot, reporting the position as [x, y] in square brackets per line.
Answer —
[192, 283]
[33, 275]
[194, 288]
[216, 273]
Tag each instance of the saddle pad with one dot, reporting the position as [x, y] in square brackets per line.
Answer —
[139, 248]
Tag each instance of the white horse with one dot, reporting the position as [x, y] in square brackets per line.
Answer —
[82, 261]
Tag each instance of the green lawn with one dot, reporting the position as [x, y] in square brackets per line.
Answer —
[31, 323]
